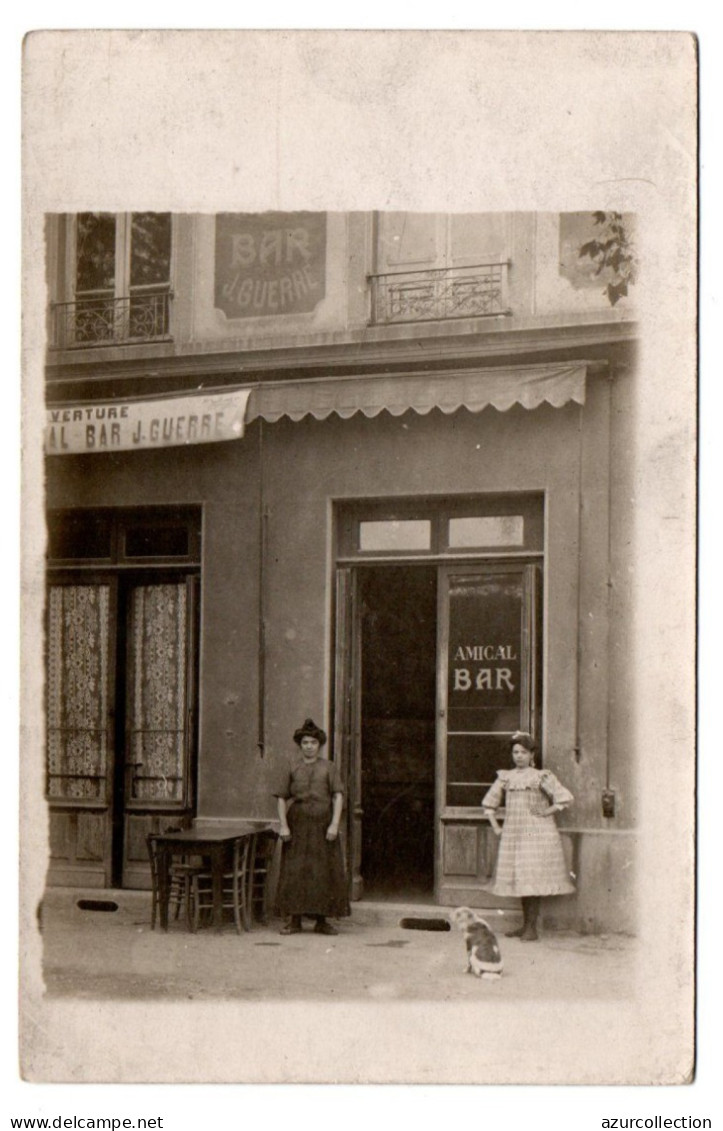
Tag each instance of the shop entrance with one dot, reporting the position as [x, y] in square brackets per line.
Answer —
[398, 619]
[121, 690]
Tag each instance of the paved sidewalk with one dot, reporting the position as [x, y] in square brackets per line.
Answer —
[91, 955]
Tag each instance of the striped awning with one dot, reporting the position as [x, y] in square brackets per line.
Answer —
[474, 389]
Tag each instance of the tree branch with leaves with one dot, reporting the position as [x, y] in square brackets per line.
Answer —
[613, 252]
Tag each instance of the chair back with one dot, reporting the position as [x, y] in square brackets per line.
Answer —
[240, 859]
[152, 846]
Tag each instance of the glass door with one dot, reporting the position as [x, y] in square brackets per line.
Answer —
[490, 678]
[121, 694]
[122, 646]
[489, 686]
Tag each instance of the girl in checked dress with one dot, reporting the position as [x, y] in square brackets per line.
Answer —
[530, 862]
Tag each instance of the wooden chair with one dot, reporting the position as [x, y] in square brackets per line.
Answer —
[235, 888]
[180, 889]
[261, 852]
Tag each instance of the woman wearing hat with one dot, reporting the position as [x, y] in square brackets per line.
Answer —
[530, 862]
[312, 880]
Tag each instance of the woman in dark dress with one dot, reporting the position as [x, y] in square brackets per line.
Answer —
[312, 880]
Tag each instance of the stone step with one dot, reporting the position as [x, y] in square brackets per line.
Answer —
[365, 912]
[380, 913]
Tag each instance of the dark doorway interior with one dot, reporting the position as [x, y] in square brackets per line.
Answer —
[399, 627]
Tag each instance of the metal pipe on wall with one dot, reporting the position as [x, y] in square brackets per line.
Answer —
[263, 529]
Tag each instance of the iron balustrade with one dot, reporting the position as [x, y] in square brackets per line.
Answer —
[106, 320]
[479, 291]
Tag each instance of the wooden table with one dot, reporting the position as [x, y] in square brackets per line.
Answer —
[212, 843]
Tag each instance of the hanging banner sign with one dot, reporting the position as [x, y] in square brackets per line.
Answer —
[269, 263]
[201, 418]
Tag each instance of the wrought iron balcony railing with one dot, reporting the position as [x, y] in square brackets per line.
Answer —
[142, 317]
[450, 292]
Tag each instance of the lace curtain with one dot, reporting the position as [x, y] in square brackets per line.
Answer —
[78, 742]
[77, 706]
[157, 692]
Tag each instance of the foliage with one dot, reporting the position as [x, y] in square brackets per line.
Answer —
[150, 247]
[613, 252]
[95, 254]
[96, 250]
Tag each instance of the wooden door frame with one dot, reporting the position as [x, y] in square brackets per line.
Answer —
[347, 715]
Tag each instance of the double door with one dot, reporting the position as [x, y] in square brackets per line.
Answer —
[121, 719]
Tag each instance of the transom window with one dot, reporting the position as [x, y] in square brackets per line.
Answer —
[143, 536]
[488, 525]
[487, 531]
[396, 534]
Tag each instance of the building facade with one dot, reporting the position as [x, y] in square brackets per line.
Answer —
[370, 468]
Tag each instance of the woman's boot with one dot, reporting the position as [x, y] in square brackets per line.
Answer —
[519, 933]
[529, 932]
[292, 926]
[324, 928]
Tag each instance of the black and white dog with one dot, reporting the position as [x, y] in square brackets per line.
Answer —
[483, 953]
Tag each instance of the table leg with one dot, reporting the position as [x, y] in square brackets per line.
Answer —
[249, 881]
[217, 864]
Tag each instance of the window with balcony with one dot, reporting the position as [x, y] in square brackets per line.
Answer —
[118, 280]
[430, 266]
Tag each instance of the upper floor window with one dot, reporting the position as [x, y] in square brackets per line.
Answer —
[118, 279]
[430, 266]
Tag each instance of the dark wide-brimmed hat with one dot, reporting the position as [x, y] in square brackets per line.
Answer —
[522, 738]
[309, 730]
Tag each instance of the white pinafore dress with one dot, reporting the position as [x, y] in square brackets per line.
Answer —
[531, 860]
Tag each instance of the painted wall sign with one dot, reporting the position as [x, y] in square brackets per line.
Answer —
[269, 263]
[485, 647]
[485, 689]
[131, 425]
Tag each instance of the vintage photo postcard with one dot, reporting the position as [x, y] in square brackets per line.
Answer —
[359, 557]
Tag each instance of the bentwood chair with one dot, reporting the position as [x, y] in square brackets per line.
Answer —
[180, 888]
[261, 853]
[235, 888]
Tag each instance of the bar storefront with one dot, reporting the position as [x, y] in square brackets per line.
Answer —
[394, 554]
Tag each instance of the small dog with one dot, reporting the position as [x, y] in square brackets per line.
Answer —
[483, 953]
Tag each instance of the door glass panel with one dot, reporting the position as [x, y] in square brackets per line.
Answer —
[77, 707]
[157, 694]
[487, 692]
